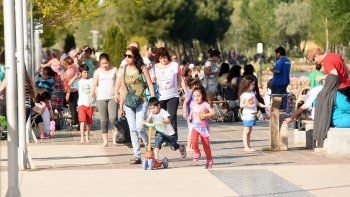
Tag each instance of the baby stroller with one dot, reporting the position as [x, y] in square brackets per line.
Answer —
[223, 107]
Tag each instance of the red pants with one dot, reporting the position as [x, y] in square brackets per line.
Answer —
[205, 143]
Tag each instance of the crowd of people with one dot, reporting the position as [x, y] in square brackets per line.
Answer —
[146, 88]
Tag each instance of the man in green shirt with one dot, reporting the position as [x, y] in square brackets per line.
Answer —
[314, 75]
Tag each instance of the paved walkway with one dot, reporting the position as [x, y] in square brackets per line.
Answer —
[71, 169]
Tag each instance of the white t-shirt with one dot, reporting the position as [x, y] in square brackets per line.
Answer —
[167, 129]
[167, 80]
[310, 98]
[46, 118]
[84, 88]
[106, 83]
[249, 112]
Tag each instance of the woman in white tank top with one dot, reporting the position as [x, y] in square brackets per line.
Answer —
[104, 80]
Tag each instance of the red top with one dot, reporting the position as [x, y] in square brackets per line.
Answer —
[335, 61]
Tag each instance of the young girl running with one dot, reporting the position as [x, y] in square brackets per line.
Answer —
[200, 111]
[248, 103]
[191, 83]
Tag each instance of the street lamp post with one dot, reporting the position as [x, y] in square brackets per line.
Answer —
[260, 51]
[94, 38]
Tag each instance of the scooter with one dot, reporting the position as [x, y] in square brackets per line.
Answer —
[149, 161]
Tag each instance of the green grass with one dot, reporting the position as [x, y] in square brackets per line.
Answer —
[265, 149]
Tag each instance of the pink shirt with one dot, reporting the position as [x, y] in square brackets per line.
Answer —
[71, 71]
[198, 124]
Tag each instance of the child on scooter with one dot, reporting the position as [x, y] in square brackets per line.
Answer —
[164, 131]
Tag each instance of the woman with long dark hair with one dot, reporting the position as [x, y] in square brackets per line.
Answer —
[134, 78]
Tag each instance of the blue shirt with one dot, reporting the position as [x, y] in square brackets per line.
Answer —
[283, 66]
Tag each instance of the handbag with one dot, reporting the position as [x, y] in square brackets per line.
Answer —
[155, 88]
[123, 134]
[131, 99]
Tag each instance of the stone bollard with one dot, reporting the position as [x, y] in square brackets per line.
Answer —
[279, 129]
[304, 138]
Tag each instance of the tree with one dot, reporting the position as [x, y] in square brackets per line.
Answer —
[293, 21]
[69, 43]
[114, 44]
[260, 25]
[330, 22]
[177, 22]
[57, 15]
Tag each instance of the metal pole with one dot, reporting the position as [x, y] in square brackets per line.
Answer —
[11, 97]
[26, 35]
[32, 60]
[37, 51]
[22, 152]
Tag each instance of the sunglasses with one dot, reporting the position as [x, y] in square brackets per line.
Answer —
[129, 56]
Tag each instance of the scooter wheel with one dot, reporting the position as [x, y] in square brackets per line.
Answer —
[165, 162]
[150, 164]
[145, 164]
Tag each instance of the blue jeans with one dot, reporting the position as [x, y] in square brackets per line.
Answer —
[135, 121]
[281, 90]
[170, 139]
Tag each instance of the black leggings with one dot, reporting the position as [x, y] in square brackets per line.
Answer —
[171, 106]
[73, 104]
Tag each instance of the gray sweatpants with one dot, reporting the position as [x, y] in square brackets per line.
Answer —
[108, 110]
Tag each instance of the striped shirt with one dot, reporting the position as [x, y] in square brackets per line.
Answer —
[47, 84]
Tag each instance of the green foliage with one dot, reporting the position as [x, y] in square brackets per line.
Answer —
[114, 44]
[3, 122]
[175, 21]
[333, 15]
[141, 40]
[48, 38]
[260, 23]
[293, 21]
[69, 43]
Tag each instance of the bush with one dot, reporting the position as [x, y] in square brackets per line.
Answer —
[114, 44]
[69, 43]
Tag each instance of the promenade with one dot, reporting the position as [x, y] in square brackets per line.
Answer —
[67, 168]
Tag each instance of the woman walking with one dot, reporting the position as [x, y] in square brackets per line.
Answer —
[134, 79]
[104, 80]
[168, 78]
